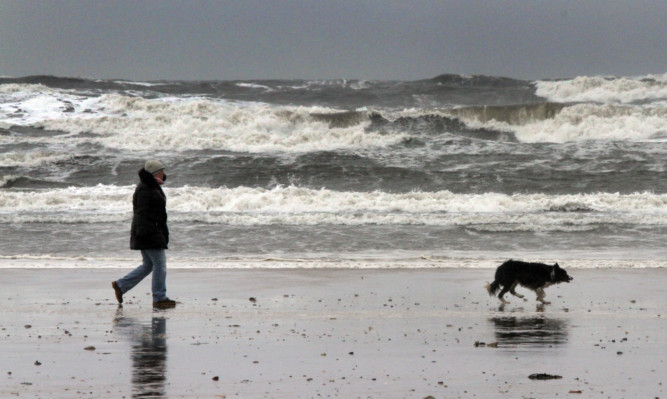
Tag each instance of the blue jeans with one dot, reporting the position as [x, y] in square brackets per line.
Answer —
[155, 260]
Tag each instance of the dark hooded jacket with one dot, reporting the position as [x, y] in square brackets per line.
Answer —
[149, 223]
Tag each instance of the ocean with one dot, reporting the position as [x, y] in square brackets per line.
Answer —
[453, 171]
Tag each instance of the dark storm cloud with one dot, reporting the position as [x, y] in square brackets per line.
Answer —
[331, 39]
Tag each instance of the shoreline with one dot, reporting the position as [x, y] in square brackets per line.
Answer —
[284, 263]
[390, 333]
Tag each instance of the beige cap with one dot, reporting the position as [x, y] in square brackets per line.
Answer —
[153, 166]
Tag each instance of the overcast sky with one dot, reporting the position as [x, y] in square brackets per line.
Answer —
[365, 39]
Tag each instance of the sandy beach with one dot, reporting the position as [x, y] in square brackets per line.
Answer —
[304, 333]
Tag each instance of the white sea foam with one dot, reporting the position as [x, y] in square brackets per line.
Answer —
[598, 122]
[25, 108]
[14, 88]
[583, 122]
[90, 202]
[190, 123]
[253, 86]
[30, 159]
[136, 124]
[604, 90]
[301, 206]
[28, 104]
[29, 261]
[359, 85]
[136, 83]
[4, 179]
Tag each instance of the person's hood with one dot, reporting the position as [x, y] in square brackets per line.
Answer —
[147, 178]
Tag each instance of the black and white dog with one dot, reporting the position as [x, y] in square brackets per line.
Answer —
[534, 276]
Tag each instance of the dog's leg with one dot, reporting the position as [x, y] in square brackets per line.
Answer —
[514, 292]
[500, 295]
[540, 296]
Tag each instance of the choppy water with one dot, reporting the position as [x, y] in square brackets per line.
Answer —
[454, 166]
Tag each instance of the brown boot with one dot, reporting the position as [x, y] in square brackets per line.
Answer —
[166, 303]
[119, 293]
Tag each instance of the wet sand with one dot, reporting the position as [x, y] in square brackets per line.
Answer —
[387, 333]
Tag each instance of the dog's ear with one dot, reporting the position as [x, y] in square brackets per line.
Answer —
[556, 266]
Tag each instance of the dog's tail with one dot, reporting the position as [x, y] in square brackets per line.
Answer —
[493, 287]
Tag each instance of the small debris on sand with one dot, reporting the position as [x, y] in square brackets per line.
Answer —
[544, 376]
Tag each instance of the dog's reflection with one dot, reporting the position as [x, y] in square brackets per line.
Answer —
[538, 331]
[149, 355]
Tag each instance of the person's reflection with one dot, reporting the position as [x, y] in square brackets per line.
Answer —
[539, 331]
[149, 355]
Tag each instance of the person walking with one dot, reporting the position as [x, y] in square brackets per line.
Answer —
[150, 235]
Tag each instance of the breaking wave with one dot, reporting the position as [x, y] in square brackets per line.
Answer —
[302, 206]
[472, 166]
[126, 122]
[604, 89]
[559, 123]
[138, 124]
[510, 114]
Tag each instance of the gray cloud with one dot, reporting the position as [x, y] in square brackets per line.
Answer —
[373, 39]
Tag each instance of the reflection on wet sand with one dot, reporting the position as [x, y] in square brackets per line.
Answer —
[532, 331]
[149, 355]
